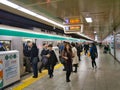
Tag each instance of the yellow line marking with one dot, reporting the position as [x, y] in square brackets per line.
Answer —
[31, 80]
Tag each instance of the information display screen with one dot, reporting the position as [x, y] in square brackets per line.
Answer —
[72, 21]
[73, 24]
[73, 29]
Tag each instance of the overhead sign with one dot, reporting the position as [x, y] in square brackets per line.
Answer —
[73, 29]
[73, 25]
[72, 21]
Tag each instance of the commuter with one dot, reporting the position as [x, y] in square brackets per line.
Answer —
[106, 49]
[27, 63]
[44, 58]
[79, 50]
[75, 58]
[3, 48]
[52, 60]
[93, 54]
[68, 55]
[86, 48]
[109, 50]
[34, 58]
[61, 48]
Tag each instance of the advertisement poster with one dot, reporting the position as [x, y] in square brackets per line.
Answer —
[1, 73]
[9, 67]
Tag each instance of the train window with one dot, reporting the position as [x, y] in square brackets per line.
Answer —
[5, 45]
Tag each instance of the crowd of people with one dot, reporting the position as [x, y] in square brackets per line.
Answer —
[48, 58]
[69, 55]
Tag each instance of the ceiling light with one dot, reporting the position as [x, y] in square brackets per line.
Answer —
[95, 32]
[89, 20]
[15, 6]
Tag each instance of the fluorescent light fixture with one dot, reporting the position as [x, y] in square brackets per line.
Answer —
[10, 4]
[96, 38]
[88, 19]
[95, 32]
[15, 6]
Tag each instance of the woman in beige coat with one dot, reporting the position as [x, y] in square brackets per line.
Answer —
[75, 58]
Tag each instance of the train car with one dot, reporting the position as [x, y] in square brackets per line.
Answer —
[15, 38]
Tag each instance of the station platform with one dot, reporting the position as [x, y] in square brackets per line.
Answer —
[105, 77]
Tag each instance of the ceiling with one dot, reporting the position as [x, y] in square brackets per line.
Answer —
[10, 19]
[105, 13]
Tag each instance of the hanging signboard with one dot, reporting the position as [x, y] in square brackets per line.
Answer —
[73, 25]
[9, 67]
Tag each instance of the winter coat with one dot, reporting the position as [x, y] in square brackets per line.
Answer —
[75, 58]
[34, 52]
[52, 60]
[93, 52]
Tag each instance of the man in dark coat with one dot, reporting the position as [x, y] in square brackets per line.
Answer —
[79, 50]
[86, 48]
[26, 52]
[43, 54]
[52, 60]
[34, 58]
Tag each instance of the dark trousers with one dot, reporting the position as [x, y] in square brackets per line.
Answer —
[93, 62]
[86, 51]
[79, 57]
[68, 73]
[41, 67]
[76, 66]
[50, 70]
[35, 66]
[27, 64]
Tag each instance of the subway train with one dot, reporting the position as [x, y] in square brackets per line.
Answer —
[15, 38]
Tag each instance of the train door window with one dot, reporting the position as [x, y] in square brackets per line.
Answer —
[5, 45]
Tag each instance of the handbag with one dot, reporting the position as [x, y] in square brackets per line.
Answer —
[96, 55]
[44, 60]
[88, 54]
[62, 60]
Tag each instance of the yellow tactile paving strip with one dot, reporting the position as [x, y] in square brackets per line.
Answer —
[31, 80]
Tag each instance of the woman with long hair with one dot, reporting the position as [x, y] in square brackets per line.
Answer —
[68, 55]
